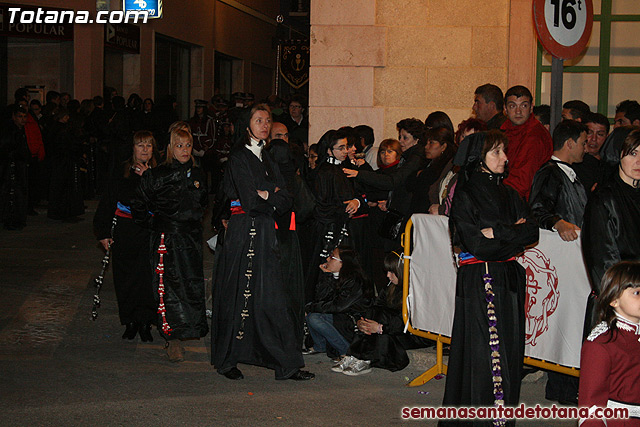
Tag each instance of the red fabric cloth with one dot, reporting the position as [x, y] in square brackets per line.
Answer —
[610, 370]
[530, 147]
[390, 165]
[34, 137]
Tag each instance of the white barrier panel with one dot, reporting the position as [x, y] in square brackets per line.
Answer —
[557, 290]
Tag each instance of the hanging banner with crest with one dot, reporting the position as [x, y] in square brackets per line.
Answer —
[294, 62]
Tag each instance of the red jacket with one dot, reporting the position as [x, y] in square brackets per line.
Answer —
[610, 371]
[530, 147]
[34, 137]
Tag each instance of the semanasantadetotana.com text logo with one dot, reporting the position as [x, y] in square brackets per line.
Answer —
[41, 16]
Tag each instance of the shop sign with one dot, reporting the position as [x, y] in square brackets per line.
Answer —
[153, 7]
[122, 37]
[40, 30]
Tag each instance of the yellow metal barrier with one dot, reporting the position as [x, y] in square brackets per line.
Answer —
[440, 367]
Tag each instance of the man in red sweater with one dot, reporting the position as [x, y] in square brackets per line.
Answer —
[530, 145]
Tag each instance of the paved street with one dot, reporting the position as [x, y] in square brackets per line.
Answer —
[58, 367]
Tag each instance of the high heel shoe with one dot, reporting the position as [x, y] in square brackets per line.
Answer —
[131, 331]
[145, 332]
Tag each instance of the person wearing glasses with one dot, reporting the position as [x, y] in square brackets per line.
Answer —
[297, 123]
[343, 295]
[336, 202]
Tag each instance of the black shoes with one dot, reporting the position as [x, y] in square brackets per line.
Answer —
[145, 333]
[131, 331]
[234, 374]
[302, 376]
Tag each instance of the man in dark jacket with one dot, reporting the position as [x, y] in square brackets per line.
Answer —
[488, 105]
[558, 200]
[558, 197]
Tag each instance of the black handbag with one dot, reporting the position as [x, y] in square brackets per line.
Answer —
[391, 226]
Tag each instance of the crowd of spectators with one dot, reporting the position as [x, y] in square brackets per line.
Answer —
[351, 195]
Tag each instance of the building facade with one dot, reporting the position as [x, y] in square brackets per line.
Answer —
[379, 61]
[175, 54]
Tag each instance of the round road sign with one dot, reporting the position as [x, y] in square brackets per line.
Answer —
[563, 26]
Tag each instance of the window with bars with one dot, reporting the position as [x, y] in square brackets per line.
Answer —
[608, 71]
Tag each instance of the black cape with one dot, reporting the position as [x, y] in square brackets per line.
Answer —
[176, 194]
[268, 331]
[483, 201]
[130, 252]
[386, 350]
[611, 231]
[554, 197]
[331, 188]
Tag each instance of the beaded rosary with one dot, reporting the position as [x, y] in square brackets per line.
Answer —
[494, 344]
[248, 274]
[98, 280]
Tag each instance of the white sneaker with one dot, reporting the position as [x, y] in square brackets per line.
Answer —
[345, 362]
[358, 368]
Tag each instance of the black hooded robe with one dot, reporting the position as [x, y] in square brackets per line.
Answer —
[611, 231]
[479, 203]
[268, 334]
[130, 252]
[331, 188]
[176, 194]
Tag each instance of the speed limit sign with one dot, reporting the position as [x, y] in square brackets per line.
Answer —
[563, 26]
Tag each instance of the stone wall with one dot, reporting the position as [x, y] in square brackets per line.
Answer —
[379, 61]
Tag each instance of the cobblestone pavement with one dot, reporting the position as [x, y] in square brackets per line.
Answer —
[58, 367]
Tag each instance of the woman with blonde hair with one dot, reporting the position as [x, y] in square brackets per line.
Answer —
[171, 200]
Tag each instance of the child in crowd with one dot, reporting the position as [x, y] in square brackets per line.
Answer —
[381, 341]
[343, 294]
[610, 361]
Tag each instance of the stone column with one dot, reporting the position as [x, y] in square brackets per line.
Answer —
[346, 47]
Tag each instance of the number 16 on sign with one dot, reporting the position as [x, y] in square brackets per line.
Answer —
[564, 29]
[563, 26]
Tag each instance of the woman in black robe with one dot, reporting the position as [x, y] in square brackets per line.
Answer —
[171, 198]
[611, 230]
[379, 201]
[251, 322]
[128, 241]
[336, 202]
[439, 151]
[491, 224]
[381, 340]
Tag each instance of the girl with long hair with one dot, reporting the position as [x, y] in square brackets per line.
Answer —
[171, 200]
[610, 357]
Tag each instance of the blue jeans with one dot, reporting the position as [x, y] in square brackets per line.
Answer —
[323, 332]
